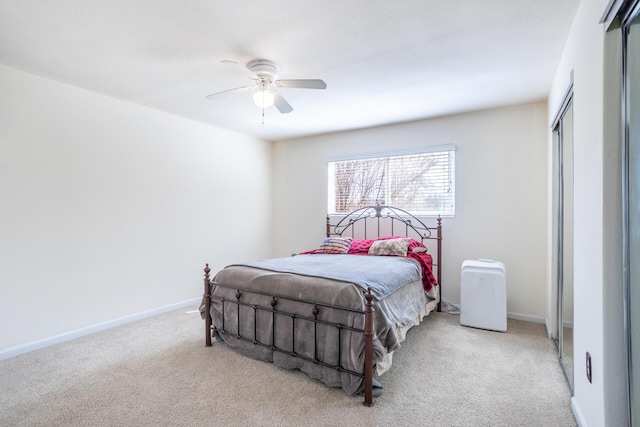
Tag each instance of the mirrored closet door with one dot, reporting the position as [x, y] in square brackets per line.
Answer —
[563, 233]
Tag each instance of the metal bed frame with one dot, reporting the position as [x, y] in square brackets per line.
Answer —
[362, 218]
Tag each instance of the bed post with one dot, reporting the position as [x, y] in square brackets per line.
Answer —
[368, 350]
[440, 261]
[207, 306]
[328, 226]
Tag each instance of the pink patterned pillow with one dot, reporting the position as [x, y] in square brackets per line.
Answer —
[335, 245]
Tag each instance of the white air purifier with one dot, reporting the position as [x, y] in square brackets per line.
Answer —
[483, 295]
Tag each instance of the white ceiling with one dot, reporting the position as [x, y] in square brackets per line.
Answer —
[383, 61]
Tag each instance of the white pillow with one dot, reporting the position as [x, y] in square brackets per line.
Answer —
[397, 247]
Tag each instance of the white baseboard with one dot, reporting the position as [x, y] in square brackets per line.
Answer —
[67, 336]
[577, 412]
[526, 318]
[455, 309]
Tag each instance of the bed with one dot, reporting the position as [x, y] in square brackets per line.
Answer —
[339, 311]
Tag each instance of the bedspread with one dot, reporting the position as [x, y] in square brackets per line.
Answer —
[424, 259]
[383, 275]
[392, 312]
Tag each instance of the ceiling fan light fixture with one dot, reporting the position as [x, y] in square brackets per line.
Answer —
[263, 98]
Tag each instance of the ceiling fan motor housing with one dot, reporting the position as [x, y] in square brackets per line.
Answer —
[264, 69]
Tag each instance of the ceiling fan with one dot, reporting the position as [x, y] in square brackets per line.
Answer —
[266, 80]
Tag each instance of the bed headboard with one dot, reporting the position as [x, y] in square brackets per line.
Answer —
[372, 222]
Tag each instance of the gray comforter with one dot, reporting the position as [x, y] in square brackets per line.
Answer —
[399, 307]
[383, 274]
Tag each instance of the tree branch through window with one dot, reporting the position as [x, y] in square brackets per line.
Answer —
[419, 183]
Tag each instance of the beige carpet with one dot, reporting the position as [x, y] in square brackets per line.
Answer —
[158, 372]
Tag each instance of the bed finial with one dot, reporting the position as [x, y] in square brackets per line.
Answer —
[207, 270]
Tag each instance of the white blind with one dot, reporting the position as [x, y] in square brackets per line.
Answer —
[421, 183]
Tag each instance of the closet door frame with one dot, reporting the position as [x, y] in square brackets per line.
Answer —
[559, 200]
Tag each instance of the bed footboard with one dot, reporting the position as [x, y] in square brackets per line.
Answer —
[241, 309]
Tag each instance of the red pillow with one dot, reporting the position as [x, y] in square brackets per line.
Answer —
[359, 246]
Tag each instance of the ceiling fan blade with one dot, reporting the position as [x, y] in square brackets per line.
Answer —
[281, 104]
[233, 63]
[302, 83]
[229, 92]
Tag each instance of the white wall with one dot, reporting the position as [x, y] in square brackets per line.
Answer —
[109, 209]
[584, 55]
[501, 198]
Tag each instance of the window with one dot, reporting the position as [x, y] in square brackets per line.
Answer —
[421, 183]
